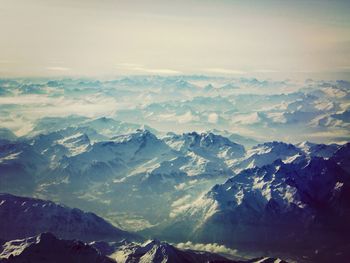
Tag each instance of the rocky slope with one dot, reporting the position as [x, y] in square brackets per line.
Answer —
[22, 217]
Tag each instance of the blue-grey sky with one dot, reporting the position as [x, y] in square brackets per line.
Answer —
[281, 39]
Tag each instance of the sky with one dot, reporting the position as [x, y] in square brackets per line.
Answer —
[268, 39]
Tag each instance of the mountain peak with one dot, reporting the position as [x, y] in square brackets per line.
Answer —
[61, 220]
[46, 247]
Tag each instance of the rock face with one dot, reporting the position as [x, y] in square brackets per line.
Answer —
[46, 248]
[22, 217]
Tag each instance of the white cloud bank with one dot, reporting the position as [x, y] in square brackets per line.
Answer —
[211, 247]
[225, 71]
[58, 68]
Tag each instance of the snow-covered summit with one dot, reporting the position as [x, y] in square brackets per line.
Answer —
[273, 206]
[206, 143]
[320, 150]
[154, 251]
[267, 153]
[45, 248]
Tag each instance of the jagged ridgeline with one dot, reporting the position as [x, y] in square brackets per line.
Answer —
[221, 167]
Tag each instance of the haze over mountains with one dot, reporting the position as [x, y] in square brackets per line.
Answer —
[258, 167]
[287, 110]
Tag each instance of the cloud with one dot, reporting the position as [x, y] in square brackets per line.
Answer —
[187, 117]
[213, 118]
[225, 71]
[211, 247]
[27, 100]
[266, 71]
[181, 200]
[129, 65]
[132, 67]
[37, 106]
[246, 118]
[58, 68]
[180, 186]
[179, 210]
[158, 71]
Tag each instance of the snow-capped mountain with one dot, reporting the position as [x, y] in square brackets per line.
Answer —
[342, 157]
[155, 251]
[46, 248]
[110, 127]
[131, 171]
[19, 163]
[22, 217]
[208, 153]
[246, 141]
[319, 150]
[112, 158]
[69, 164]
[102, 155]
[288, 110]
[69, 142]
[267, 153]
[206, 143]
[51, 124]
[97, 129]
[273, 206]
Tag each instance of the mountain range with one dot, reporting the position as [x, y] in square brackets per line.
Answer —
[174, 169]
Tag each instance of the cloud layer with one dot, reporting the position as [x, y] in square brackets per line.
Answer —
[280, 110]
